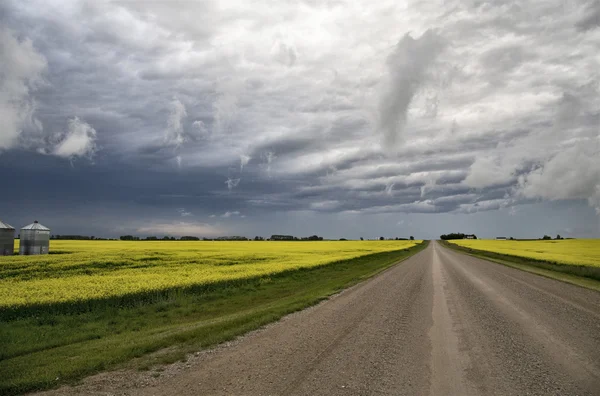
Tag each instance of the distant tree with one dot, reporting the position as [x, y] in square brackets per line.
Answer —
[453, 235]
[381, 238]
[558, 236]
[412, 238]
[362, 239]
[546, 237]
[312, 238]
[511, 238]
[73, 237]
[282, 237]
[343, 239]
[92, 237]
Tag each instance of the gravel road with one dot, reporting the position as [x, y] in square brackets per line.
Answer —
[440, 323]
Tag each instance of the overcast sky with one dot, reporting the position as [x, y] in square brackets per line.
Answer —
[340, 118]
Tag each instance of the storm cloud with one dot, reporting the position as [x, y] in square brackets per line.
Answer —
[407, 67]
[303, 116]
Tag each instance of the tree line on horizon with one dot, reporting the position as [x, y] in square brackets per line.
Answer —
[457, 235]
[275, 237]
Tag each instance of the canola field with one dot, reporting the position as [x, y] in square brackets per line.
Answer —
[80, 271]
[581, 252]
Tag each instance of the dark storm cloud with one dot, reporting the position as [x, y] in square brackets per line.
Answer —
[138, 112]
[591, 18]
[407, 67]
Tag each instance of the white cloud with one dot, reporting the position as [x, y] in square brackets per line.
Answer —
[389, 188]
[428, 186]
[269, 157]
[78, 141]
[492, 204]
[573, 173]
[184, 213]
[229, 89]
[244, 159]
[325, 205]
[174, 133]
[232, 183]
[201, 127]
[228, 214]
[21, 71]
[489, 171]
[407, 69]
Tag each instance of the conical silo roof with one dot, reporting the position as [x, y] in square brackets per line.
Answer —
[4, 226]
[35, 226]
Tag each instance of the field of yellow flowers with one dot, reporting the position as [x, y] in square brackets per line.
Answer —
[580, 252]
[90, 271]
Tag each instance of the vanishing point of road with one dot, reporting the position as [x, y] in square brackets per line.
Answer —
[439, 323]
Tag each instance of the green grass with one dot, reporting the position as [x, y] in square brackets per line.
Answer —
[49, 349]
[584, 276]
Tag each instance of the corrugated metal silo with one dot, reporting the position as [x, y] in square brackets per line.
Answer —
[35, 239]
[7, 239]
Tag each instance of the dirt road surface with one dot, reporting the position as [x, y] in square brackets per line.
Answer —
[439, 323]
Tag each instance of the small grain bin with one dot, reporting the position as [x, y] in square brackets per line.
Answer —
[35, 239]
[7, 239]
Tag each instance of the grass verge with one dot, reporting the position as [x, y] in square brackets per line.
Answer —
[50, 349]
[584, 276]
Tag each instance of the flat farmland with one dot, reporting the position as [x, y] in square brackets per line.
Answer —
[440, 323]
[80, 271]
[572, 260]
[94, 305]
[566, 251]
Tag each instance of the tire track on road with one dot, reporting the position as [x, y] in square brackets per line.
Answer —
[438, 323]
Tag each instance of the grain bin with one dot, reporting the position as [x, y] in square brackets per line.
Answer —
[35, 239]
[7, 239]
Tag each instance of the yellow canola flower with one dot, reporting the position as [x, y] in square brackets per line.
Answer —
[564, 251]
[88, 270]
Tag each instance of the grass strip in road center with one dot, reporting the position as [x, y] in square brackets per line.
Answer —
[44, 351]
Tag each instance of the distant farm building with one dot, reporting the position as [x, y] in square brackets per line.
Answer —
[35, 239]
[472, 236]
[7, 239]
